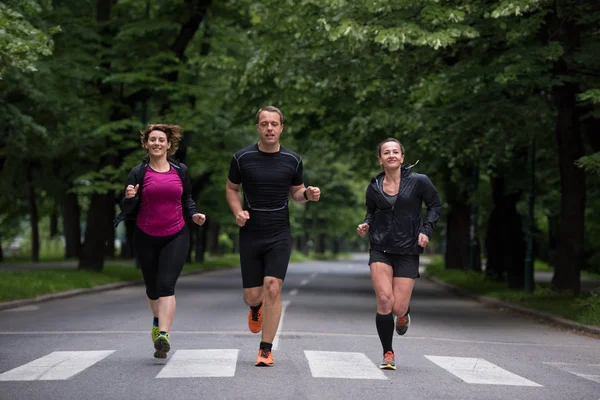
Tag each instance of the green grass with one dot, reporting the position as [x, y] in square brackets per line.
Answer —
[584, 308]
[31, 283]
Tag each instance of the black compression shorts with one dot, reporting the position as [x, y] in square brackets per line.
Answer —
[404, 265]
[264, 255]
[161, 259]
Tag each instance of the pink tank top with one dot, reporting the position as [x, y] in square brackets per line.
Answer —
[160, 211]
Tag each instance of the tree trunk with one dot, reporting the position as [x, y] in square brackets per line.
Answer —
[505, 240]
[127, 250]
[97, 232]
[110, 249]
[553, 221]
[569, 257]
[213, 237]
[193, 230]
[457, 235]
[71, 226]
[33, 213]
[337, 245]
[201, 237]
[321, 243]
[458, 222]
[54, 223]
[1, 251]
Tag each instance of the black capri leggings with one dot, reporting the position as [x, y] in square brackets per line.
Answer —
[161, 259]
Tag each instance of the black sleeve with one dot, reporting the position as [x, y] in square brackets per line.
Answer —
[187, 203]
[298, 179]
[371, 206]
[235, 175]
[128, 205]
[433, 204]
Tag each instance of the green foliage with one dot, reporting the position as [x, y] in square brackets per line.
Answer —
[461, 84]
[22, 43]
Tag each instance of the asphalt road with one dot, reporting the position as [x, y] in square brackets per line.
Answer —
[98, 346]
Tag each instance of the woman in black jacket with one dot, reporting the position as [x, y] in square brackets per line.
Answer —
[158, 197]
[398, 235]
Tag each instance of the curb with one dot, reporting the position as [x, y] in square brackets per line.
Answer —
[96, 289]
[565, 323]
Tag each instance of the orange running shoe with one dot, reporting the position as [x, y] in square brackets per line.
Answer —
[402, 324]
[255, 319]
[265, 358]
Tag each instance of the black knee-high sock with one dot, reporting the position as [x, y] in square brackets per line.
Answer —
[385, 329]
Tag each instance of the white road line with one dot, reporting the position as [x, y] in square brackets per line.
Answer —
[479, 371]
[200, 364]
[284, 305]
[586, 371]
[344, 365]
[24, 308]
[305, 333]
[293, 292]
[314, 275]
[58, 365]
[304, 282]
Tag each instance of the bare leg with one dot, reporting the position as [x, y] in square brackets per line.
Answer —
[272, 308]
[403, 288]
[153, 306]
[166, 312]
[381, 276]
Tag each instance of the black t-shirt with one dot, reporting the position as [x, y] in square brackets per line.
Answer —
[266, 179]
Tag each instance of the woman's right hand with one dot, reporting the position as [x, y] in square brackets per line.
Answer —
[362, 229]
[131, 191]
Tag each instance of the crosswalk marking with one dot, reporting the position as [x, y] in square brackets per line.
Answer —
[480, 371]
[200, 364]
[587, 371]
[346, 365]
[58, 365]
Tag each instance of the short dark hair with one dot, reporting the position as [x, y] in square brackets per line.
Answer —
[173, 133]
[380, 145]
[271, 109]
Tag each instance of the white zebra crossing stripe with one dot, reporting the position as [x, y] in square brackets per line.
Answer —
[480, 371]
[332, 364]
[587, 371]
[200, 364]
[58, 365]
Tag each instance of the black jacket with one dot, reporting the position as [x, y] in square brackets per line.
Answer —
[395, 228]
[130, 207]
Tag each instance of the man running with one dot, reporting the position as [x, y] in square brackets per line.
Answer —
[269, 173]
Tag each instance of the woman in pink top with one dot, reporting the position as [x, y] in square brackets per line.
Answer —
[158, 197]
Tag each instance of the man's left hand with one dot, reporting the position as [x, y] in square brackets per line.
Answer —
[313, 193]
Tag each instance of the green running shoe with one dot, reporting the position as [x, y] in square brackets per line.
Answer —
[162, 345]
[155, 333]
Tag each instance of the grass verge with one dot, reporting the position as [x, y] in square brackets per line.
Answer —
[584, 308]
[30, 283]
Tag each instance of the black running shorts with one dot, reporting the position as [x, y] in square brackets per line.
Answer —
[264, 255]
[404, 265]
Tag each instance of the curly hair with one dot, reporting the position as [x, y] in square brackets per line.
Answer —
[173, 133]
